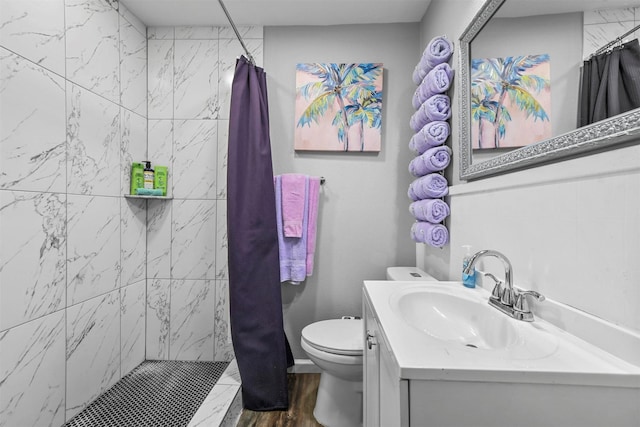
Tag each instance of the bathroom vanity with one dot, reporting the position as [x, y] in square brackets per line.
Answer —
[436, 354]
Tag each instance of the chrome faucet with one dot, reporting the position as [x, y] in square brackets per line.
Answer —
[504, 297]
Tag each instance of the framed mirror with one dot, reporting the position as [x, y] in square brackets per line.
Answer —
[548, 31]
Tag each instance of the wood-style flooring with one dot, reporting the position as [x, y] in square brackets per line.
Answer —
[303, 389]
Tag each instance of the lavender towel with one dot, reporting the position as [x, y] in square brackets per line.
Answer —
[293, 250]
[431, 210]
[438, 50]
[293, 201]
[433, 160]
[419, 73]
[436, 108]
[436, 81]
[432, 186]
[313, 201]
[431, 135]
[435, 235]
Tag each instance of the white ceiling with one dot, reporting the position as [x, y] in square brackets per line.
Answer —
[276, 12]
[332, 12]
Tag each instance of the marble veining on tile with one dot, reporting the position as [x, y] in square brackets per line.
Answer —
[193, 236]
[33, 129]
[159, 238]
[246, 32]
[132, 326]
[214, 408]
[221, 171]
[160, 79]
[133, 68]
[32, 376]
[133, 240]
[93, 140]
[35, 30]
[92, 46]
[196, 79]
[158, 319]
[133, 145]
[222, 250]
[195, 159]
[32, 255]
[223, 345]
[196, 33]
[192, 320]
[93, 350]
[93, 247]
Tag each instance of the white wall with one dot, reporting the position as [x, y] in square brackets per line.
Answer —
[363, 222]
[570, 228]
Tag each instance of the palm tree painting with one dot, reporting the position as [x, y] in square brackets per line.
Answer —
[510, 101]
[338, 107]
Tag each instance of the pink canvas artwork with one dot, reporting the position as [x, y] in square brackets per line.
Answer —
[338, 107]
[510, 101]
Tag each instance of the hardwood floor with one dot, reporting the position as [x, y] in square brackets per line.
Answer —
[302, 398]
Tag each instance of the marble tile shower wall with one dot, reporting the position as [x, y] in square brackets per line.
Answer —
[72, 249]
[190, 70]
[603, 26]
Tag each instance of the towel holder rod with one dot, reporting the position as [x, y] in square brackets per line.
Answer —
[235, 29]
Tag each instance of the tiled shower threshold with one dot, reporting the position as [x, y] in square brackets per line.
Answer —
[169, 394]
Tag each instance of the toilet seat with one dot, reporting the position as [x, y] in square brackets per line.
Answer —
[336, 336]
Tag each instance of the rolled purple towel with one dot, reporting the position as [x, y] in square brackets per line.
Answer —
[436, 81]
[437, 107]
[438, 50]
[432, 186]
[419, 73]
[435, 235]
[431, 135]
[433, 160]
[432, 210]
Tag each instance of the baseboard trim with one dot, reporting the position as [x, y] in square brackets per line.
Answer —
[304, 366]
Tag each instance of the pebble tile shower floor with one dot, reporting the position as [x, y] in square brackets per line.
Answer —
[156, 393]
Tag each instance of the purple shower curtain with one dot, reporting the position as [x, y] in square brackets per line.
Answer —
[261, 348]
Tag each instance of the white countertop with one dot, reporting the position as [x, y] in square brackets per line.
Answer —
[547, 355]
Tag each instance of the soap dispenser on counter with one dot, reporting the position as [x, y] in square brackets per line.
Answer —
[468, 280]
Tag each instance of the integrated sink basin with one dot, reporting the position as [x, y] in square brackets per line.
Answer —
[454, 317]
[451, 348]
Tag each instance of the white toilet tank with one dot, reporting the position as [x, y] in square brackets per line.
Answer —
[409, 274]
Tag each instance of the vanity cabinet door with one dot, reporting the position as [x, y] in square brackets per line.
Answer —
[371, 377]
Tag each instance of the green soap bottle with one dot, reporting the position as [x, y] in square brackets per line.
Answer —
[137, 177]
[148, 175]
[160, 179]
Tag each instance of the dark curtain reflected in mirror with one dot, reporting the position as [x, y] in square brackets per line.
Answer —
[610, 83]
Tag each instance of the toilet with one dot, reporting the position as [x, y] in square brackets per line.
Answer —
[336, 347]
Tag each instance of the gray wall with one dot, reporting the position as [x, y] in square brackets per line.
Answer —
[363, 223]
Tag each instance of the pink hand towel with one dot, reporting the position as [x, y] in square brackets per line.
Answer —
[312, 199]
[293, 201]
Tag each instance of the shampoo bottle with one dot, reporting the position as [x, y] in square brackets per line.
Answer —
[148, 175]
[137, 177]
[468, 280]
[161, 179]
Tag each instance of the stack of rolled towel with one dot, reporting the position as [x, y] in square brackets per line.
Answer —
[434, 76]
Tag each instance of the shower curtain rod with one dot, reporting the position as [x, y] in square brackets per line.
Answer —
[617, 40]
[246, 51]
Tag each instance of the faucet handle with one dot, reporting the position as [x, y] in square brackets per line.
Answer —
[521, 303]
[497, 291]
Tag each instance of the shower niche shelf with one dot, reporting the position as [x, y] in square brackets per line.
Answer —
[135, 196]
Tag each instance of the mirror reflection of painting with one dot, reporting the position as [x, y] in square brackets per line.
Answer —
[338, 107]
[510, 101]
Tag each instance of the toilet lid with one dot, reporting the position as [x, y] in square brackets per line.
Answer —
[337, 336]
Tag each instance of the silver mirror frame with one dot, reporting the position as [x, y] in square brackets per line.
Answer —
[602, 135]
